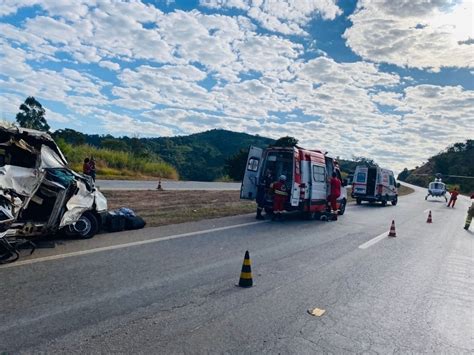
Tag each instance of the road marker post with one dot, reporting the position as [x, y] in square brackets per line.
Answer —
[392, 232]
[429, 220]
[246, 273]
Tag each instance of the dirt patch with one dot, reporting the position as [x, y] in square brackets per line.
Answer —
[169, 207]
[160, 208]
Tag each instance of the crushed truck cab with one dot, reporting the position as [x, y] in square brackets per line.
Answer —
[307, 172]
[39, 193]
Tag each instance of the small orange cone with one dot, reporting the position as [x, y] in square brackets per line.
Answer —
[246, 273]
[429, 220]
[392, 230]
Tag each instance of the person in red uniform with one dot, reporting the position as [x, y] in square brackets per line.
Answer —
[335, 191]
[454, 196]
[280, 195]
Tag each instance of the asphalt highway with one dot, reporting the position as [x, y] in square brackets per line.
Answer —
[172, 289]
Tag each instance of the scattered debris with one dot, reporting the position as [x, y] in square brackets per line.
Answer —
[123, 219]
[317, 312]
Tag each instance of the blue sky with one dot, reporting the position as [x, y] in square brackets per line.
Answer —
[389, 80]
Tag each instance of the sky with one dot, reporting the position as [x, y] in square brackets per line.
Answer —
[388, 80]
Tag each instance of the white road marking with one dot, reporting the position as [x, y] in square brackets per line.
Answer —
[125, 245]
[374, 240]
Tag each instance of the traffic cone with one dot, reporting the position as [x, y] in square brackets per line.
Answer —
[246, 273]
[429, 220]
[392, 230]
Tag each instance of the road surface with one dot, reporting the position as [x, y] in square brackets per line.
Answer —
[171, 289]
[167, 185]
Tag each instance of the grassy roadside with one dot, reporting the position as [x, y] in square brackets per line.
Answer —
[160, 208]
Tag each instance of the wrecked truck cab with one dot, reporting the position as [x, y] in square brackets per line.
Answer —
[39, 193]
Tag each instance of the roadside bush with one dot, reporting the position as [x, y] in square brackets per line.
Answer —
[112, 163]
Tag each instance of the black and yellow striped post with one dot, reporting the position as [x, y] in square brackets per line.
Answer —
[246, 273]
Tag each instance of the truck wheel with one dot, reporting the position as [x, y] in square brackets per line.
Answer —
[342, 208]
[85, 228]
[395, 201]
[358, 201]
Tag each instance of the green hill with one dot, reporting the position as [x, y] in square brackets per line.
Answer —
[457, 159]
[200, 156]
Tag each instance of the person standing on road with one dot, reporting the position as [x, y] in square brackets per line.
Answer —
[86, 167]
[262, 190]
[335, 191]
[279, 197]
[470, 214]
[92, 170]
[454, 196]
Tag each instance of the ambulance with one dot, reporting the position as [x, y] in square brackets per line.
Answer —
[374, 184]
[307, 171]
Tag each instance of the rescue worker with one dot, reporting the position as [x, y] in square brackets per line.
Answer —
[470, 214]
[279, 197]
[335, 192]
[454, 196]
[263, 189]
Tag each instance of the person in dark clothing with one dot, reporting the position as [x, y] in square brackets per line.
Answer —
[92, 168]
[86, 167]
[262, 191]
[335, 191]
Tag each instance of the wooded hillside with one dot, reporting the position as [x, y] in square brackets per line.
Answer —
[200, 156]
[457, 159]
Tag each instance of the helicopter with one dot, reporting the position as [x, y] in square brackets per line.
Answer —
[437, 188]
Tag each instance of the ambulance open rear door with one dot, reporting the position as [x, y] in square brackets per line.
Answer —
[248, 190]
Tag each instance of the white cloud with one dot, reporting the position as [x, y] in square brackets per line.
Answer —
[417, 34]
[286, 17]
[185, 72]
[109, 65]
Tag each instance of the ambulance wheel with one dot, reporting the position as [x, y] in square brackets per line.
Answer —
[384, 203]
[395, 201]
[342, 208]
[358, 201]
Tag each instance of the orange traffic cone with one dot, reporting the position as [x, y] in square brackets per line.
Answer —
[429, 220]
[392, 230]
[246, 273]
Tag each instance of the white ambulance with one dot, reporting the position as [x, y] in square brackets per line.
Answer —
[374, 184]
